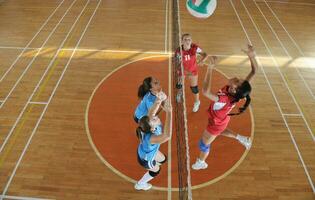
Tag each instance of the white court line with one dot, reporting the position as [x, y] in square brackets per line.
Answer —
[50, 98]
[117, 51]
[166, 26]
[18, 48]
[40, 81]
[293, 3]
[273, 93]
[29, 65]
[36, 102]
[286, 52]
[21, 198]
[289, 114]
[29, 43]
[281, 74]
[169, 156]
[169, 143]
[96, 50]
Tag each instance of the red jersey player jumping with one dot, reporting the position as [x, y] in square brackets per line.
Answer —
[221, 106]
[189, 57]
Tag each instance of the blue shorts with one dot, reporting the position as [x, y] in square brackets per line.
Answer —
[146, 164]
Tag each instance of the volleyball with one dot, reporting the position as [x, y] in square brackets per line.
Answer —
[201, 8]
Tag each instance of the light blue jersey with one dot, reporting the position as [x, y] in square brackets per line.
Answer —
[145, 104]
[146, 150]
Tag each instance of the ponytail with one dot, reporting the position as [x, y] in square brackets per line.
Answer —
[143, 128]
[144, 87]
[243, 108]
[243, 91]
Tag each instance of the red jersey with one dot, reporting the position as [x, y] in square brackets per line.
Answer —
[218, 112]
[189, 58]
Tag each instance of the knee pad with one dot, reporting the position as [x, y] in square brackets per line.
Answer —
[164, 161]
[203, 147]
[195, 89]
[154, 174]
[178, 86]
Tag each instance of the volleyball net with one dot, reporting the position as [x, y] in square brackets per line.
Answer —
[180, 116]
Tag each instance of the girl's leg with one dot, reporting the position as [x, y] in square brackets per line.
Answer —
[143, 184]
[246, 141]
[206, 139]
[204, 146]
[229, 133]
[160, 158]
[193, 79]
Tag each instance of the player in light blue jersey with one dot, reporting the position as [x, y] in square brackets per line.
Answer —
[151, 138]
[148, 92]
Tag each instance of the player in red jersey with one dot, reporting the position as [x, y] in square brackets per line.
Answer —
[189, 52]
[221, 106]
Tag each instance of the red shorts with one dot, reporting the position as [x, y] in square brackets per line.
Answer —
[214, 129]
[189, 72]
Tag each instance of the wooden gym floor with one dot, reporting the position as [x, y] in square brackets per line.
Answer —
[57, 56]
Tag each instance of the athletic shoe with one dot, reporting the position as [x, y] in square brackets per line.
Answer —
[196, 106]
[144, 186]
[199, 164]
[244, 141]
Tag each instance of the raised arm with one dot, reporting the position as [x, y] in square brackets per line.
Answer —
[203, 58]
[167, 133]
[206, 89]
[155, 109]
[253, 63]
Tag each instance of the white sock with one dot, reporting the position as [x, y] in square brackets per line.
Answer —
[145, 179]
[202, 161]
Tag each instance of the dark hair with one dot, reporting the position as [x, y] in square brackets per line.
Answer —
[242, 91]
[144, 127]
[144, 87]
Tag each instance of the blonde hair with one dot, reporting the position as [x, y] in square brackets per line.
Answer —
[186, 34]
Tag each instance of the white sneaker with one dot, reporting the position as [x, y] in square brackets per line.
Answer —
[199, 164]
[196, 106]
[144, 186]
[244, 141]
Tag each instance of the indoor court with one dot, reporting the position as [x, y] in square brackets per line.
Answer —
[69, 76]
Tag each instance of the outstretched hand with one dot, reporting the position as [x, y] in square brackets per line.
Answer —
[250, 51]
